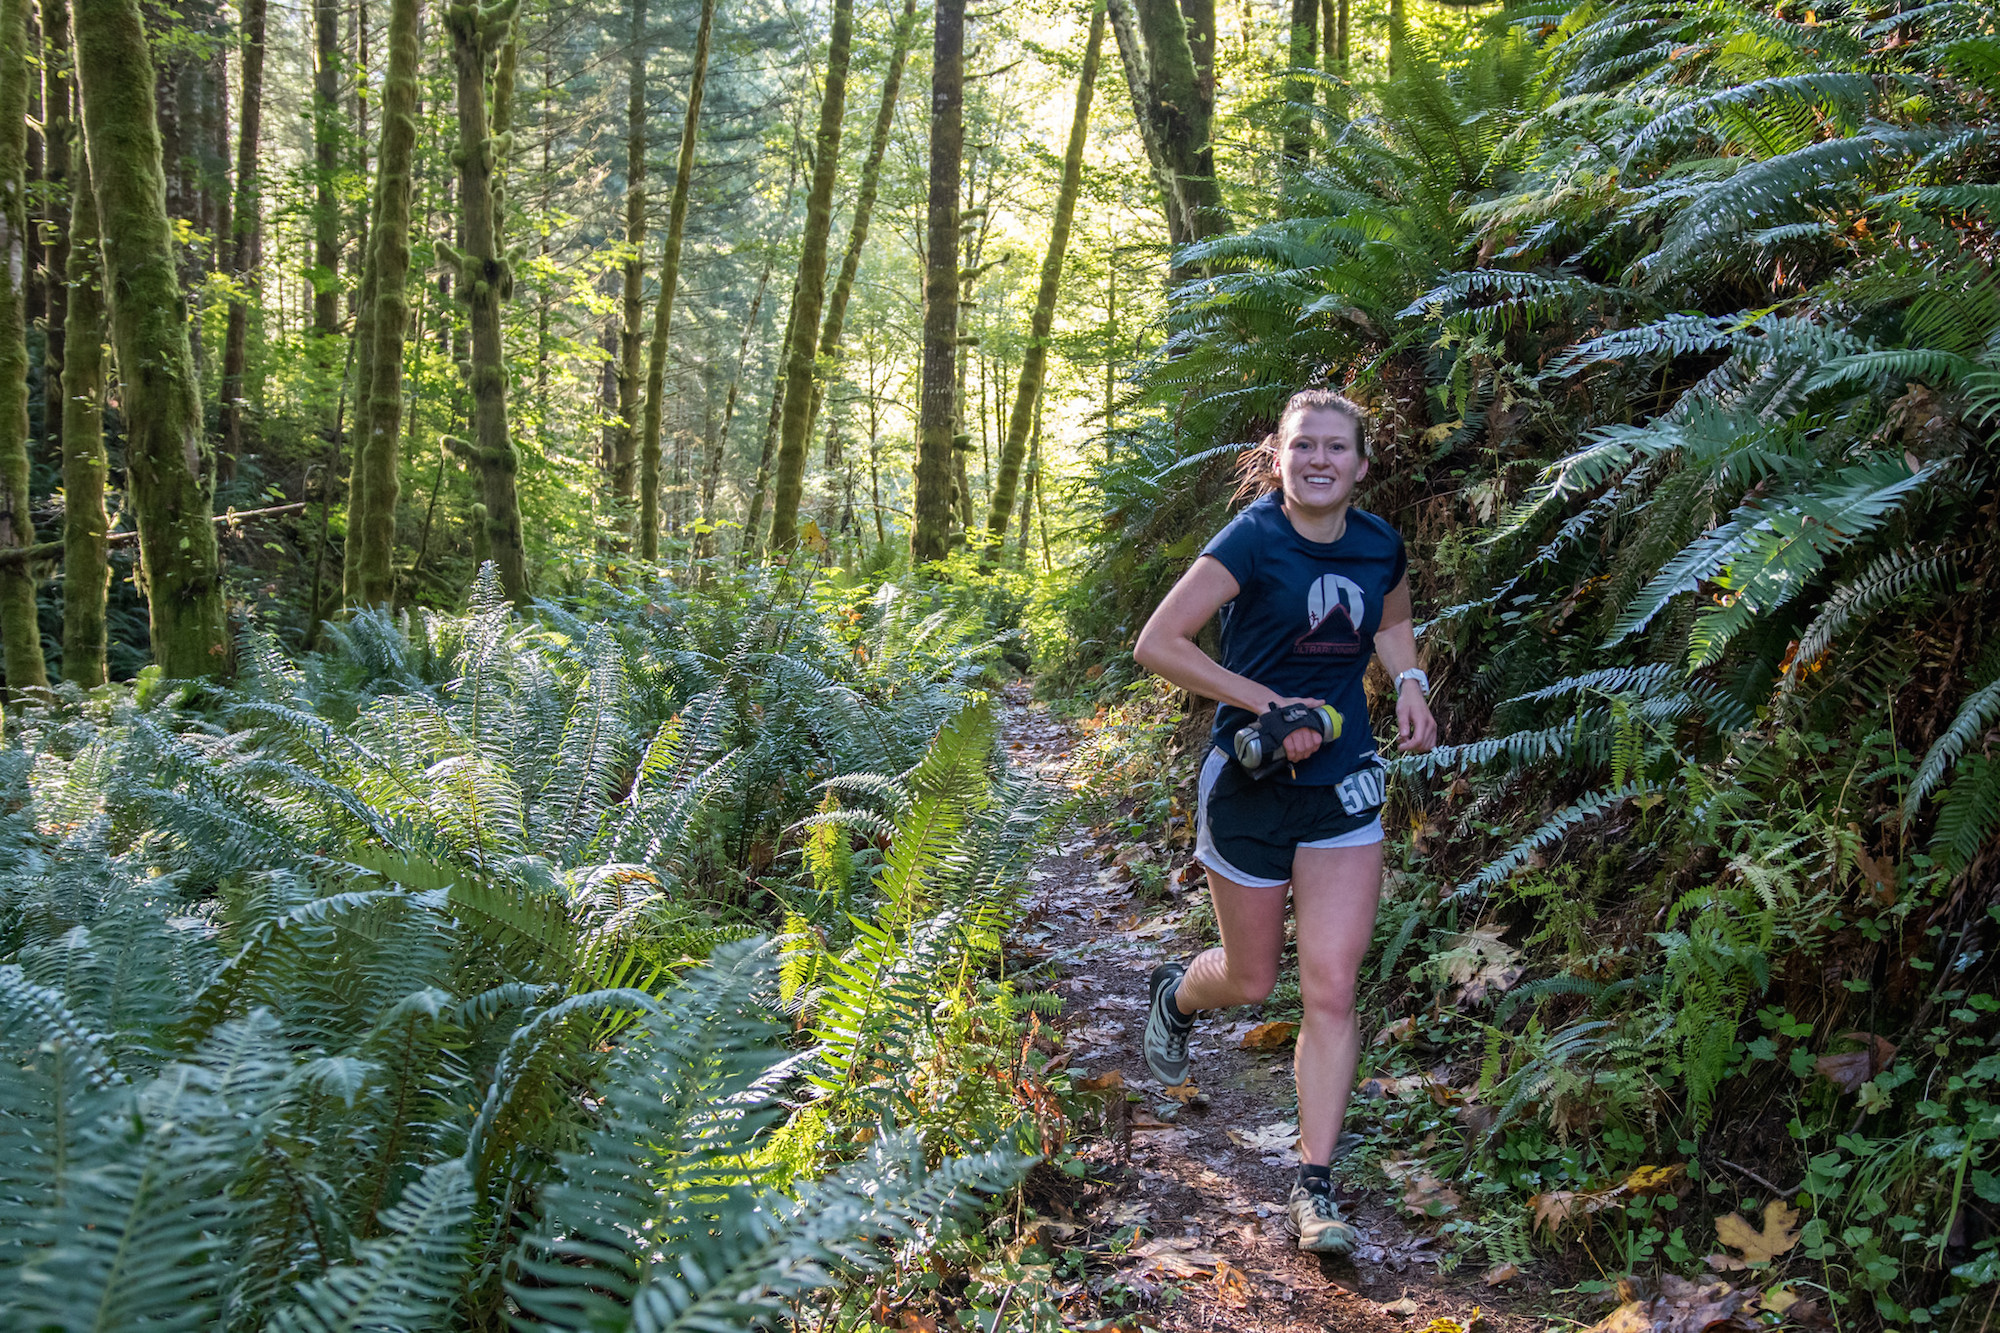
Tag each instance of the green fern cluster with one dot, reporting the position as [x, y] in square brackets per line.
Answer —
[403, 988]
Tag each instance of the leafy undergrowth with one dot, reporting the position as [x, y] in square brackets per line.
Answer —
[1671, 1095]
[625, 963]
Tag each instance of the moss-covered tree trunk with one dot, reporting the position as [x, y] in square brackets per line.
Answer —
[20, 636]
[247, 233]
[86, 552]
[663, 310]
[1138, 83]
[169, 468]
[632, 306]
[371, 533]
[794, 424]
[1169, 58]
[1398, 30]
[484, 281]
[58, 96]
[937, 410]
[833, 326]
[753, 519]
[326, 165]
[1035, 360]
[1304, 51]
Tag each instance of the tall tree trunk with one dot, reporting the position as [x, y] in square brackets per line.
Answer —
[20, 635]
[57, 130]
[834, 325]
[1169, 59]
[483, 283]
[86, 553]
[246, 238]
[379, 403]
[795, 421]
[326, 163]
[711, 475]
[930, 530]
[1138, 83]
[753, 518]
[670, 275]
[631, 338]
[1034, 362]
[169, 468]
[1298, 92]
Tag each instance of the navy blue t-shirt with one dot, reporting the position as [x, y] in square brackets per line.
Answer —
[1303, 623]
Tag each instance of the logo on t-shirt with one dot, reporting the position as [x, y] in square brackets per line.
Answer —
[1334, 610]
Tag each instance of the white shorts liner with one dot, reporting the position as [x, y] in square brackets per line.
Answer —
[1204, 845]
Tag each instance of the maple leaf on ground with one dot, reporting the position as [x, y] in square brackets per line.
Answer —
[1849, 1070]
[1270, 1037]
[1780, 1233]
[1273, 1138]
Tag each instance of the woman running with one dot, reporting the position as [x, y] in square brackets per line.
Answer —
[1309, 589]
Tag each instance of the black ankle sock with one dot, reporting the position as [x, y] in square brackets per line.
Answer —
[1318, 1179]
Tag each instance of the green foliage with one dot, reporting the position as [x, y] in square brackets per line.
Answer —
[406, 985]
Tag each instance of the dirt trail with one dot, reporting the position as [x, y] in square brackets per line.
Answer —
[1210, 1201]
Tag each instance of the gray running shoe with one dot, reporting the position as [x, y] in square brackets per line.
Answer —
[1314, 1218]
[1166, 1040]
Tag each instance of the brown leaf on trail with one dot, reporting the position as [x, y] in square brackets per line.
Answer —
[1403, 1029]
[1142, 1120]
[1427, 1196]
[1500, 1273]
[1379, 1086]
[909, 1321]
[1231, 1286]
[1094, 671]
[1110, 1080]
[1724, 1263]
[1405, 1307]
[1270, 1037]
[1171, 1257]
[1878, 874]
[1780, 1233]
[1779, 1299]
[1442, 1093]
[1477, 1119]
[1272, 1138]
[1631, 1317]
[1846, 1072]
[1182, 1093]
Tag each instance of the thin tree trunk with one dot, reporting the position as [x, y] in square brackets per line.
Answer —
[20, 635]
[1034, 361]
[711, 475]
[379, 406]
[834, 325]
[795, 422]
[326, 163]
[1028, 489]
[57, 100]
[631, 338]
[1298, 92]
[86, 552]
[169, 467]
[483, 283]
[753, 519]
[930, 531]
[663, 313]
[247, 232]
[1397, 32]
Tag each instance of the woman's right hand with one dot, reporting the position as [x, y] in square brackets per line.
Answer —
[1301, 744]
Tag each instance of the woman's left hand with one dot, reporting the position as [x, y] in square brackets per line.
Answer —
[1416, 729]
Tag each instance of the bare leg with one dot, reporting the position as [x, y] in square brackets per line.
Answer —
[1245, 968]
[1335, 892]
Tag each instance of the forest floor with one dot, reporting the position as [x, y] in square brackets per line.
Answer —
[1202, 1175]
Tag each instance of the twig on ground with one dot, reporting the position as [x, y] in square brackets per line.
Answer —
[1752, 1176]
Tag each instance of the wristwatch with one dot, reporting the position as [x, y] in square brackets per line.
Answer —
[1416, 674]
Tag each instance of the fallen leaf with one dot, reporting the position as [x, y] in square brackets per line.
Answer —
[1654, 1179]
[1277, 1138]
[1231, 1286]
[1779, 1299]
[1427, 1196]
[1173, 1256]
[1847, 1071]
[1378, 1086]
[1780, 1233]
[1142, 1120]
[909, 1321]
[1109, 1081]
[1405, 1307]
[1477, 963]
[1631, 1317]
[1269, 1037]
[1443, 1324]
[1181, 1092]
[1402, 1030]
[1500, 1273]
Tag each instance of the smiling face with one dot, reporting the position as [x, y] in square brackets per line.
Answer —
[1319, 460]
